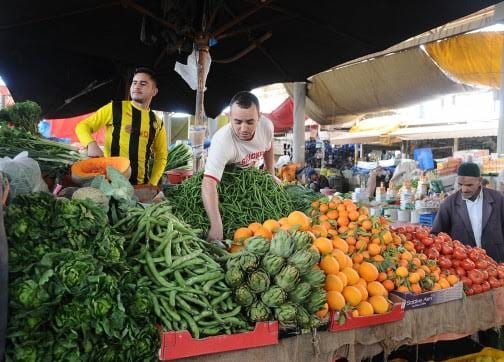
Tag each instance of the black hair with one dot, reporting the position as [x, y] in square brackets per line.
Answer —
[245, 100]
[148, 71]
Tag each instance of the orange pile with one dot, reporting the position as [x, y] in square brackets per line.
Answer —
[362, 258]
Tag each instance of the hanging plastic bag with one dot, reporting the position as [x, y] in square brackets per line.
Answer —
[23, 173]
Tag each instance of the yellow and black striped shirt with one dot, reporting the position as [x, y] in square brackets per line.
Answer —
[131, 132]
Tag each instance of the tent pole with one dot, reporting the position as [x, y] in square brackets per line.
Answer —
[299, 123]
[455, 145]
[500, 129]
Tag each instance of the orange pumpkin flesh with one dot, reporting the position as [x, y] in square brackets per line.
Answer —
[86, 170]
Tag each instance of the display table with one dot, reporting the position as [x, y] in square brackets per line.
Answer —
[443, 321]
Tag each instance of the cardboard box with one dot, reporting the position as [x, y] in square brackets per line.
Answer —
[175, 345]
[396, 314]
[430, 298]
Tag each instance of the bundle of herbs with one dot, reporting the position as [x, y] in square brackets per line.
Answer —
[72, 294]
[54, 158]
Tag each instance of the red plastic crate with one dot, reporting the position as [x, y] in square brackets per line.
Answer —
[396, 314]
[176, 345]
[177, 176]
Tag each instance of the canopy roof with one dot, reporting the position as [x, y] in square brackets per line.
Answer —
[405, 74]
[74, 56]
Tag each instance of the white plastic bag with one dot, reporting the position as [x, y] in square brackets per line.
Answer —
[24, 174]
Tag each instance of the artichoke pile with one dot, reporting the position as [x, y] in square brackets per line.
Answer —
[278, 280]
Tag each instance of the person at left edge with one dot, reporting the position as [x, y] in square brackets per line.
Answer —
[132, 130]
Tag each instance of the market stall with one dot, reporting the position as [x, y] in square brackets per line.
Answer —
[424, 325]
[100, 273]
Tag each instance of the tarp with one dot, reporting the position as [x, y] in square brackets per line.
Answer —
[381, 84]
[65, 128]
[392, 133]
[364, 137]
[396, 77]
[5, 97]
[283, 116]
[475, 129]
[471, 58]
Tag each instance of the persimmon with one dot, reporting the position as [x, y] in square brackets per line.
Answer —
[368, 271]
[352, 275]
[380, 304]
[352, 295]
[376, 288]
[242, 233]
[271, 224]
[329, 264]
[299, 218]
[265, 233]
[365, 309]
[333, 283]
[335, 300]
[323, 245]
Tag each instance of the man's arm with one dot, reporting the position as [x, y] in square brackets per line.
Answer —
[269, 163]
[85, 129]
[269, 160]
[160, 149]
[210, 197]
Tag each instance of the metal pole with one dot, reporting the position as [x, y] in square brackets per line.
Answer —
[298, 143]
[455, 144]
[500, 129]
[168, 126]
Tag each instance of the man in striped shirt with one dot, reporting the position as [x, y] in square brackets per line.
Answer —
[132, 130]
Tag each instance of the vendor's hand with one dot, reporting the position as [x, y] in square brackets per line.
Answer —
[215, 233]
[93, 150]
[277, 180]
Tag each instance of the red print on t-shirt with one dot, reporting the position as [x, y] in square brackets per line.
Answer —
[251, 158]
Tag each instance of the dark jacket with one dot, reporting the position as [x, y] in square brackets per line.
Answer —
[453, 218]
[321, 183]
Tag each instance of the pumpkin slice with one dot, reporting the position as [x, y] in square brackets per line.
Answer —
[84, 171]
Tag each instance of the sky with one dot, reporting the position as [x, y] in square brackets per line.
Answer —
[1, 81]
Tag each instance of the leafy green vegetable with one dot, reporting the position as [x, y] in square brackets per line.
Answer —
[74, 296]
[25, 115]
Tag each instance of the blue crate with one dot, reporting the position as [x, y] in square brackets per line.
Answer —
[427, 219]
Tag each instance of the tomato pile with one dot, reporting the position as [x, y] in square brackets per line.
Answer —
[473, 266]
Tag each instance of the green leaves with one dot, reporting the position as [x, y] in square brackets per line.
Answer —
[73, 295]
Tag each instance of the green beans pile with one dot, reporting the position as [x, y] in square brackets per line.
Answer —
[245, 196]
[187, 288]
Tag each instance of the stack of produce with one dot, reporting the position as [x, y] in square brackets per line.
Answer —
[364, 259]
[54, 158]
[186, 285]
[180, 157]
[72, 294]
[279, 280]
[473, 266]
[244, 196]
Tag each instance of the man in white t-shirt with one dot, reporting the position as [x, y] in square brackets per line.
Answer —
[246, 141]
